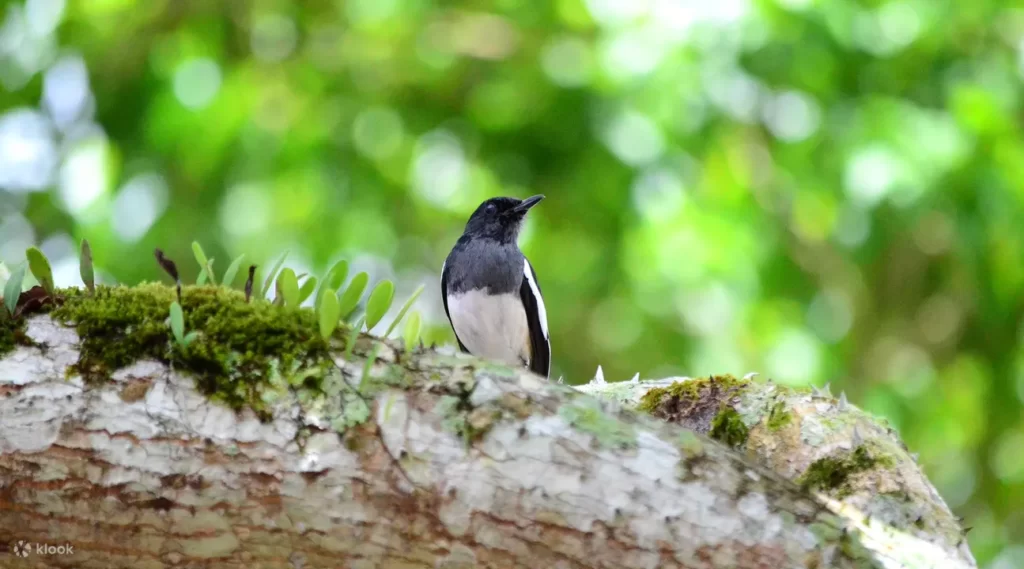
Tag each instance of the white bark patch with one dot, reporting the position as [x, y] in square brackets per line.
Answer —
[485, 391]
[30, 365]
[43, 396]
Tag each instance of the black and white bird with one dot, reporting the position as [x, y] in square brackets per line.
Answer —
[490, 290]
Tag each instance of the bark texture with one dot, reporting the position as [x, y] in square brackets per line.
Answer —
[435, 460]
[822, 442]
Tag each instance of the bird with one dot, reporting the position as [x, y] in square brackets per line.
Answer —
[490, 291]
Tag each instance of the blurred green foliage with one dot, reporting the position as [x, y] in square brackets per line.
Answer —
[819, 191]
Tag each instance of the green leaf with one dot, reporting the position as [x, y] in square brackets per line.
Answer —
[411, 332]
[177, 322]
[197, 249]
[332, 280]
[405, 308]
[350, 298]
[12, 290]
[229, 275]
[328, 314]
[85, 267]
[4, 275]
[272, 275]
[201, 279]
[190, 337]
[289, 287]
[336, 275]
[40, 267]
[379, 303]
[307, 289]
[204, 263]
[370, 360]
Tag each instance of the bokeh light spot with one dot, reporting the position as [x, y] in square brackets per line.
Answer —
[16, 235]
[246, 209]
[84, 176]
[377, 132]
[658, 194]
[138, 205]
[196, 82]
[567, 61]
[633, 138]
[440, 169]
[830, 314]
[792, 116]
[66, 92]
[273, 37]
[870, 174]
[28, 152]
[795, 359]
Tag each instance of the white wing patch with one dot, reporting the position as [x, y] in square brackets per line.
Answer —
[542, 313]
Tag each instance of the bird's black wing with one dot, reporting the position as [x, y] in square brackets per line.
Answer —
[537, 320]
[444, 299]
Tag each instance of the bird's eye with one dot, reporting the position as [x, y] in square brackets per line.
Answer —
[491, 208]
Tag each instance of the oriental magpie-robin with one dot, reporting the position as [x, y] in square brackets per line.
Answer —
[490, 290]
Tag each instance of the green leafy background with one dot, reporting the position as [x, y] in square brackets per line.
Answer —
[823, 192]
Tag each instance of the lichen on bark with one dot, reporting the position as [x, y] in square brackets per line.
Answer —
[819, 441]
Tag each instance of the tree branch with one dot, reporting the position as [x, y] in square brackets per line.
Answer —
[436, 460]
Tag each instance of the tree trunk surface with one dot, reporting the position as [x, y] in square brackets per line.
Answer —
[437, 460]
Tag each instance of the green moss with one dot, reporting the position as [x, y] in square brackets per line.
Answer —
[587, 415]
[244, 354]
[10, 331]
[453, 415]
[779, 417]
[832, 474]
[728, 427]
[689, 390]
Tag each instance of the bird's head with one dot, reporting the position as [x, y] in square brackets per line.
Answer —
[500, 218]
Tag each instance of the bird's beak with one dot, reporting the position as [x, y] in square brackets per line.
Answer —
[526, 204]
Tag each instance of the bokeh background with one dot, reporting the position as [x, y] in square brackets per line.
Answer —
[821, 191]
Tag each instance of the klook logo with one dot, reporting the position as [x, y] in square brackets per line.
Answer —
[50, 549]
[24, 549]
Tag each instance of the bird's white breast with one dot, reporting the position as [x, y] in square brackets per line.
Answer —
[491, 326]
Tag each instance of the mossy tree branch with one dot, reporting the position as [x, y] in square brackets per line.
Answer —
[820, 441]
[260, 443]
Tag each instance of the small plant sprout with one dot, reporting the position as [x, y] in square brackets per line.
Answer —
[12, 290]
[332, 280]
[405, 308]
[288, 288]
[170, 268]
[229, 275]
[328, 314]
[353, 294]
[249, 282]
[40, 267]
[178, 326]
[85, 267]
[306, 290]
[379, 303]
[352, 337]
[271, 278]
[370, 360]
[204, 263]
[411, 332]
[203, 274]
